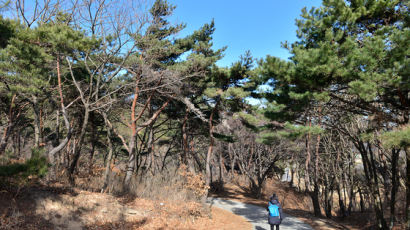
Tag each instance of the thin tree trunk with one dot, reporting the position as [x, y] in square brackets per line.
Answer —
[42, 141]
[211, 145]
[94, 139]
[369, 166]
[109, 157]
[351, 200]
[307, 161]
[36, 122]
[298, 176]
[150, 149]
[8, 130]
[342, 209]
[328, 200]
[185, 138]
[407, 187]
[292, 170]
[351, 184]
[132, 143]
[78, 147]
[221, 168]
[394, 187]
[315, 194]
[344, 190]
[376, 192]
[362, 207]
[209, 154]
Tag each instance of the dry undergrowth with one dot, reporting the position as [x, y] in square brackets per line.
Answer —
[193, 182]
[47, 208]
[162, 204]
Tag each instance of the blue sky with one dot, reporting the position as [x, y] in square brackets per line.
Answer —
[259, 26]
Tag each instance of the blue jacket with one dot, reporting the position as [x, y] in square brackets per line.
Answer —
[275, 220]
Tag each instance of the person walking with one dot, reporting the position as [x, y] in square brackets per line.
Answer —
[275, 212]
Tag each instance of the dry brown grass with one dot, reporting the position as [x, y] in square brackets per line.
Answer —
[43, 208]
[167, 202]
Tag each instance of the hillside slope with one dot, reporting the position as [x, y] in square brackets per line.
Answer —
[41, 207]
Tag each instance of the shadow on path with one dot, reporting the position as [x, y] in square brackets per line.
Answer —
[257, 216]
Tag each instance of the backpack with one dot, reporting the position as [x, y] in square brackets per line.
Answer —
[273, 209]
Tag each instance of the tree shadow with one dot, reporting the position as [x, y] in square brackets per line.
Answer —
[258, 216]
[18, 205]
[51, 207]
[122, 224]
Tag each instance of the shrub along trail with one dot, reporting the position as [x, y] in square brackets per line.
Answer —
[257, 215]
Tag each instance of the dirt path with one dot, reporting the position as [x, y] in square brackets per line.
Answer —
[257, 216]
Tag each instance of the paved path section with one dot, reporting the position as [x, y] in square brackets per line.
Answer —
[258, 216]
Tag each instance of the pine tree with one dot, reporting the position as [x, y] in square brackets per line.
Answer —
[353, 52]
[160, 69]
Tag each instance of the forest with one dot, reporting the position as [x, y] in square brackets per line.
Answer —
[104, 95]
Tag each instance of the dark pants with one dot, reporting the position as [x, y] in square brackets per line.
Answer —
[272, 227]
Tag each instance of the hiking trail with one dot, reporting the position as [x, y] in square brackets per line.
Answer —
[258, 216]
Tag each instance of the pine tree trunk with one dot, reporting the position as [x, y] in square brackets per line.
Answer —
[131, 161]
[209, 156]
[315, 194]
[133, 138]
[67, 139]
[328, 197]
[408, 187]
[211, 146]
[362, 207]
[307, 161]
[109, 157]
[375, 191]
[292, 171]
[394, 187]
[221, 168]
[10, 126]
[36, 122]
[93, 141]
[351, 200]
[315, 200]
[369, 166]
[4, 139]
[342, 208]
[150, 146]
[328, 203]
[185, 138]
[78, 147]
[345, 196]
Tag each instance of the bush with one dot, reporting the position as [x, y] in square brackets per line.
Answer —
[193, 182]
[35, 166]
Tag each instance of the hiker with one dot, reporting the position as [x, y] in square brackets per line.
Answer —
[275, 212]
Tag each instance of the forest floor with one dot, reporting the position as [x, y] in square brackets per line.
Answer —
[296, 204]
[58, 207]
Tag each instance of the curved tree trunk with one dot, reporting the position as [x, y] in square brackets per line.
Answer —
[63, 143]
